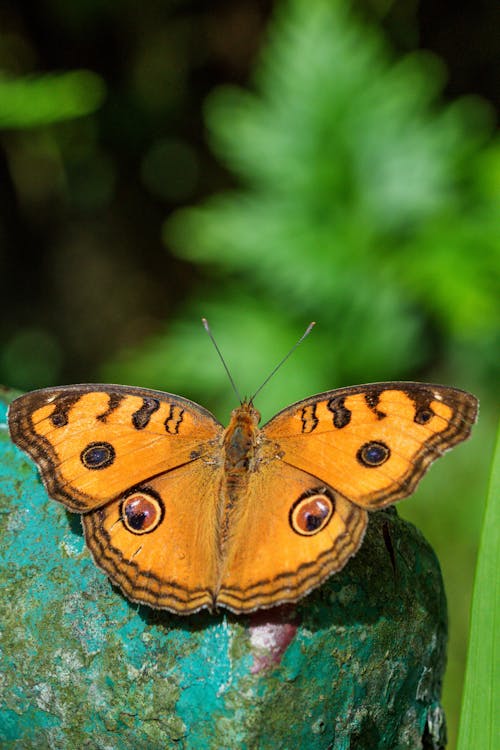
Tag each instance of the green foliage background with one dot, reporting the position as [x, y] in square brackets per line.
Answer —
[351, 194]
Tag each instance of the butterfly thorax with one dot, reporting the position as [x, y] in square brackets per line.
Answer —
[240, 440]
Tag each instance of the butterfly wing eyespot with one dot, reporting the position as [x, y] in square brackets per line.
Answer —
[142, 511]
[97, 455]
[373, 453]
[423, 415]
[312, 511]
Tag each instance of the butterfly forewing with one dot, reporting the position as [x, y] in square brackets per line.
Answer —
[373, 443]
[94, 442]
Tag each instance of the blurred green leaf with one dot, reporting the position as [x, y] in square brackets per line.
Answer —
[55, 97]
[361, 204]
[480, 719]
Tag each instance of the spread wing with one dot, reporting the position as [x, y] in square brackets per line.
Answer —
[293, 533]
[372, 443]
[158, 542]
[94, 442]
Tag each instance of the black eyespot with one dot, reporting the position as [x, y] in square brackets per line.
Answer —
[97, 455]
[373, 453]
[142, 511]
[423, 415]
[59, 419]
[312, 511]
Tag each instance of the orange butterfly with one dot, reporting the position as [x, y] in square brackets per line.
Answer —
[183, 514]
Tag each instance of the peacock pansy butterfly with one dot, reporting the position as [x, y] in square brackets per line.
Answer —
[183, 514]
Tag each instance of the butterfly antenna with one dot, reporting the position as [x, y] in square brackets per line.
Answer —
[266, 381]
[214, 342]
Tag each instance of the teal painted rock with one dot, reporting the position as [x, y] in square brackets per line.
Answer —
[357, 664]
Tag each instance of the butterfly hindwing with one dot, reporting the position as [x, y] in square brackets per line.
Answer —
[158, 542]
[294, 533]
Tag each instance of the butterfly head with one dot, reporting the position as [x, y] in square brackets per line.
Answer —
[246, 414]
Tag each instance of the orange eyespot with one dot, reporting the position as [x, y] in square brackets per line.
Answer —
[312, 512]
[142, 512]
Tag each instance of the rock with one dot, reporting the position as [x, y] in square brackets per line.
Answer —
[357, 664]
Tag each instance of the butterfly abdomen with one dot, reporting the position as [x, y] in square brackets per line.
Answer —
[239, 451]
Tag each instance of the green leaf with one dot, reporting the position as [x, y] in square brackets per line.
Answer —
[40, 100]
[480, 720]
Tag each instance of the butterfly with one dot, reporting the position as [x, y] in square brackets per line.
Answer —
[184, 514]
